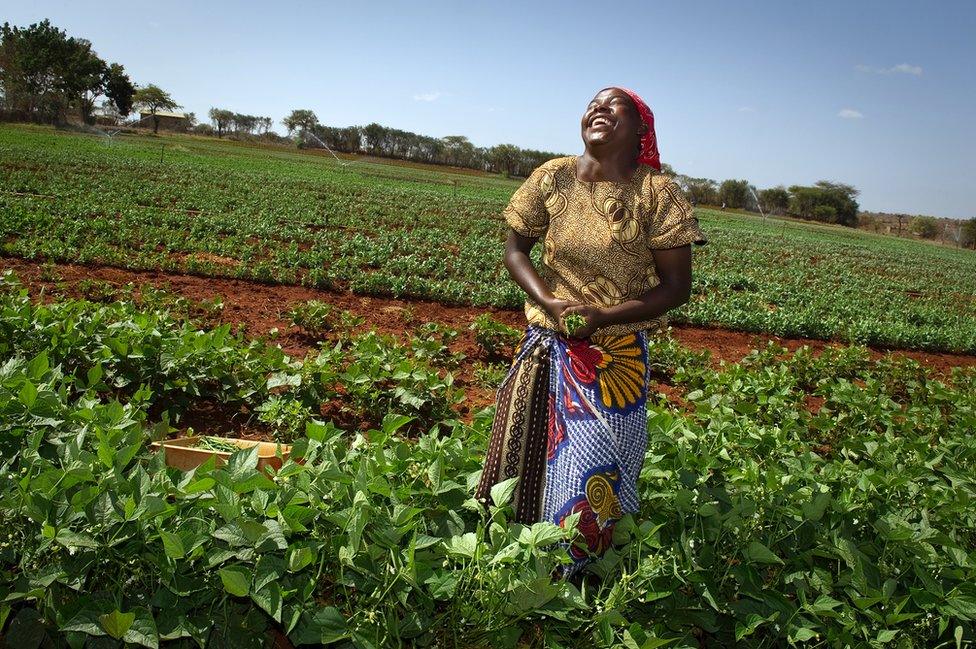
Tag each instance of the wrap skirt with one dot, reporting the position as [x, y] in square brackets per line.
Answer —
[571, 424]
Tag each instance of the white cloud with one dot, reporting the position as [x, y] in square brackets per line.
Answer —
[905, 68]
[850, 113]
[746, 109]
[901, 68]
[428, 96]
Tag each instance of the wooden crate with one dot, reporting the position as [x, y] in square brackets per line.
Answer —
[183, 454]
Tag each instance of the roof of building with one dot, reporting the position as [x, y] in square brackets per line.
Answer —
[163, 113]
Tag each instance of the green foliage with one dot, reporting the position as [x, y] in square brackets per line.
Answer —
[393, 230]
[763, 522]
[43, 72]
[314, 316]
[287, 417]
[154, 99]
[826, 201]
[495, 338]
[775, 200]
[490, 375]
[574, 321]
[968, 233]
[431, 344]
[926, 227]
[734, 193]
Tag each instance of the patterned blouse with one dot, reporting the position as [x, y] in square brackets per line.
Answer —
[598, 236]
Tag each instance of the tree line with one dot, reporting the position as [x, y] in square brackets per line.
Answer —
[825, 201]
[383, 141]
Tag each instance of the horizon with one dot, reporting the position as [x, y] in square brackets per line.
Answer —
[880, 99]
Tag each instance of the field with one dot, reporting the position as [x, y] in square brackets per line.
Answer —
[796, 491]
[215, 208]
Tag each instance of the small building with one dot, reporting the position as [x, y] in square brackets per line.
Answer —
[168, 120]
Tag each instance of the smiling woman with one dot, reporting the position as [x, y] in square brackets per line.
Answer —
[570, 417]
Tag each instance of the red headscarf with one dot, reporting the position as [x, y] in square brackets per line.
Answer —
[649, 154]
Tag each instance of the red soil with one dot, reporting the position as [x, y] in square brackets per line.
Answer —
[260, 308]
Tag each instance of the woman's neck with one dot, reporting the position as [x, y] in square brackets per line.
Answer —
[618, 166]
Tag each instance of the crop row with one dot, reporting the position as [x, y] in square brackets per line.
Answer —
[229, 210]
[792, 499]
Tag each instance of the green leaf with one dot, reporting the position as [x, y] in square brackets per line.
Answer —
[237, 580]
[242, 462]
[442, 584]
[270, 568]
[143, 630]
[116, 623]
[326, 626]
[202, 484]
[802, 635]
[393, 422]
[28, 394]
[464, 545]
[70, 539]
[38, 366]
[172, 544]
[284, 378]
[269, 599]
[502, 491]
[541, 534]
[759, 553]
[26, 630]
[299, 558]
[886, 635]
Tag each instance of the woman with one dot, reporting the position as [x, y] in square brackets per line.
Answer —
[570, 417]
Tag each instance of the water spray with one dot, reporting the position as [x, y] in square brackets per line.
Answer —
[758, 204]
[326, 146]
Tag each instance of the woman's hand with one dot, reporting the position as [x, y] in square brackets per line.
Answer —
[594, 319]
[555, 308]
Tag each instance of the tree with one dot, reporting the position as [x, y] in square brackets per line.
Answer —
[967, 237]
[925, 226]
[505, 157]
[775, 200]
[38, 68]
[700, 191]
[221, 120]
[119, 88]
[154, 99]
[734, 193]
[301, 120]
[43, 72]
[83, 75]
[840, 198]
[374, 136]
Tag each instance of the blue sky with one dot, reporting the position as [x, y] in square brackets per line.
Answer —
[881, 95]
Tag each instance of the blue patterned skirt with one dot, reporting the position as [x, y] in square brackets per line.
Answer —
[571, 423]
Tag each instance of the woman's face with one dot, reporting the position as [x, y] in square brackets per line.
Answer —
[612, 118]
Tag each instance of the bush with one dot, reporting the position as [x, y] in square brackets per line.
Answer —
[314, 316]
[495, 338]
[925, 226]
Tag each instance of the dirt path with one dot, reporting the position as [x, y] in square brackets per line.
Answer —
[259, 307]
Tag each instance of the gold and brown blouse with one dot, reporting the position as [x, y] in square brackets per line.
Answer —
[598, 236]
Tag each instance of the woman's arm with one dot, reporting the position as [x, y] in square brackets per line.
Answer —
[673, 269]
[519, 265]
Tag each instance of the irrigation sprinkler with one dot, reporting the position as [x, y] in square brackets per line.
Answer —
[326, 146]
[758, 204]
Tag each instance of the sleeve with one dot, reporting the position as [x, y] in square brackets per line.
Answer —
[674, 223]
[526, 212]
